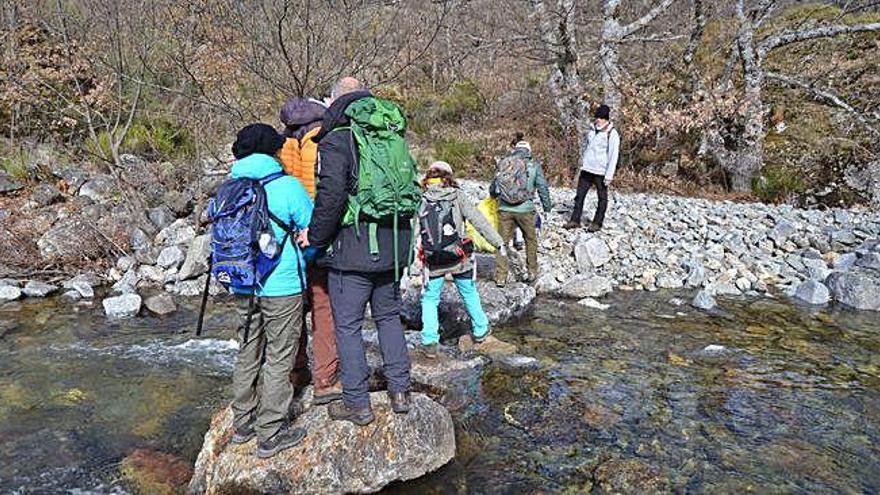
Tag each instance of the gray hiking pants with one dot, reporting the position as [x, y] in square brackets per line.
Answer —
[349, 294]
[261, 381]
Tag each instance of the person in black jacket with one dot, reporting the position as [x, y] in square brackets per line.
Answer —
[357, 277]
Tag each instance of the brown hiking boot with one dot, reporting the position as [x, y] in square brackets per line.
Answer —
[571, 225]
[339, 411]
[594, 227]
[328, 394]
[300, 377]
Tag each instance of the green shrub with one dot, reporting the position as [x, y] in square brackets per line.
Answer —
[159, 138]
[463, 101]
[778, 183]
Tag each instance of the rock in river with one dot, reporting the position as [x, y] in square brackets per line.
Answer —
[813, 292]
[124, 306]
[859, 288]
[335, 457]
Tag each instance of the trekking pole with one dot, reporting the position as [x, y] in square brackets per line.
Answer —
[204, 298]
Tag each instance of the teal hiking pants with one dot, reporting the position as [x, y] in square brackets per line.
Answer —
[467, 289]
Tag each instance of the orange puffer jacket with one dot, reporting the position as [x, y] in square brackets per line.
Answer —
[299, 159]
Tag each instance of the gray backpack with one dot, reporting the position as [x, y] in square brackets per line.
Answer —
[512, 179]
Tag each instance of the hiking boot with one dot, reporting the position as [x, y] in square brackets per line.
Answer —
[327, 395]
[480, 340]
[399, 402]
[430, 351]
[530, 279]
[594, 227]
[339, 411]
[500, 284]
[287, 437]
[245, 433]
[519, 246]
[571, 225]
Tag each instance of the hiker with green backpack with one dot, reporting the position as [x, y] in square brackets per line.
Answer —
[367, 197]
[517, 177]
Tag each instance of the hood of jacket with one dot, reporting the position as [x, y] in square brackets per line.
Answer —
[255, 166]
[300, 115]
[335, 116]
[440, 193]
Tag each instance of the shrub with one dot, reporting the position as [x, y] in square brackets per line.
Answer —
[455, 151]
[778, 183]
[464, 101]
[158, 139]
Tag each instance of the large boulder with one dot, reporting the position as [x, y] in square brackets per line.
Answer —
[35, 288]
[502, 305]
[859, 288]
[83, 235]
[9, 293]
[336, 456]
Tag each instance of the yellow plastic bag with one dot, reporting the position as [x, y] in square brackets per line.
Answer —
[489, 208]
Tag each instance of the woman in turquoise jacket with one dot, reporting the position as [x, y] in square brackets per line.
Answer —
[262, 392]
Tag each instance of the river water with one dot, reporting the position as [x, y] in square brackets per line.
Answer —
[762, 396]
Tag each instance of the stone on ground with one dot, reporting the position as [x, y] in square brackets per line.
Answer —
[9, 293]
[196, 262]
[35, 288]
[9, 184]
[591, 252]
[813, 292]
[582, 286]
[589, 302]
[148, 471]
[704, 300]
[858, 288]
[335, 457]
[124, 306]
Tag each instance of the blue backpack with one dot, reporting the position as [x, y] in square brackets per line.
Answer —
[244, 250]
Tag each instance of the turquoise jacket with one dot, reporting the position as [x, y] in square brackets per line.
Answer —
[289, 201]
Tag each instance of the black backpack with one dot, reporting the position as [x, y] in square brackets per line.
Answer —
[442, 247]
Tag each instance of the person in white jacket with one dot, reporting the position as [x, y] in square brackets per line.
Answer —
[598, 163]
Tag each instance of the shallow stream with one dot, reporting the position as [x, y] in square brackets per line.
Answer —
[646, 396]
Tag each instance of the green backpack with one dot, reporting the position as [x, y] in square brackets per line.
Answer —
[388, 176]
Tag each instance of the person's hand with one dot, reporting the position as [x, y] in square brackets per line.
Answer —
[503, 250]
[607, 182]
[303, 238]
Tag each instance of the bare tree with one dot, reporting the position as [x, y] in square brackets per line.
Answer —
[744, 158]
[613, 35]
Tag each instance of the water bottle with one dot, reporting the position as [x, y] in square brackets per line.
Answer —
[268, 245]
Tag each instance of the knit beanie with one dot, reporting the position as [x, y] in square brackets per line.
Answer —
[257, 138]
[441, 166]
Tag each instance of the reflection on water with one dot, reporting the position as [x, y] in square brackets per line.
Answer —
[645, 396]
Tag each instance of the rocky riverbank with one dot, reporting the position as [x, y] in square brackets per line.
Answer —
[649, 242]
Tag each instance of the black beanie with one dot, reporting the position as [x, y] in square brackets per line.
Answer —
[257, 138]
[603, 112]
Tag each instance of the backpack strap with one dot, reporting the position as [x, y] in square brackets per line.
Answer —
[269, 178]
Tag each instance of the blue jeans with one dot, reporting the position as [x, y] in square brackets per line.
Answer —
[467, 289]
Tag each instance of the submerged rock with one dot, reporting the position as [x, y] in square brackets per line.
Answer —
[335, 457]
[148, 471]
[124, 306]
[630, 476]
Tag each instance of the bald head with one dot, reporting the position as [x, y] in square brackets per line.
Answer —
[344, 86]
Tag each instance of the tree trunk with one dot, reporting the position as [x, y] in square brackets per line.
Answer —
[609, 45]
[558, 35]
[749, 157]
